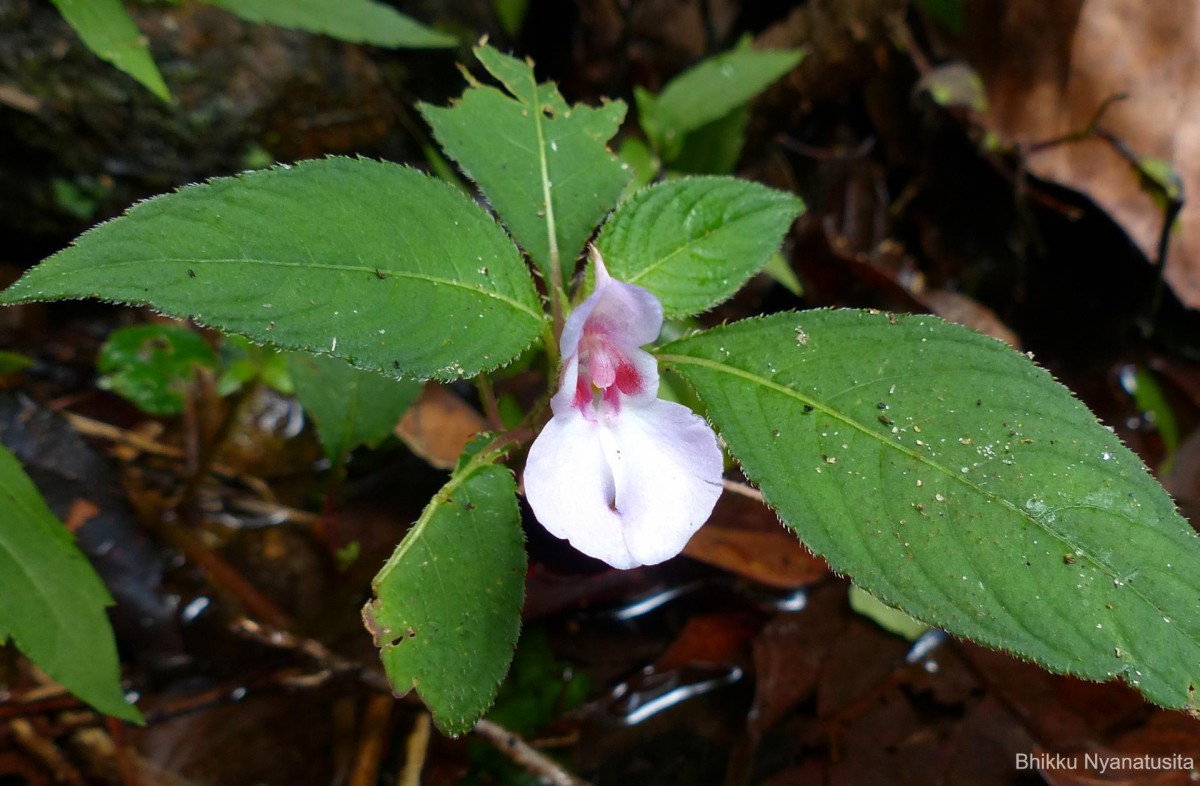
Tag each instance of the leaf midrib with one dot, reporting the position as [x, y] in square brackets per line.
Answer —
[695, 241]
[490, 293]
[957, 477]
[481, 461]
[555, 260]
[687, 244]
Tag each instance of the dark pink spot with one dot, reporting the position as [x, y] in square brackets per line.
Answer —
[583, 393]
[629, 381]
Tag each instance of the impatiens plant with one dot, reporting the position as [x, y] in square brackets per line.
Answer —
[946, 474]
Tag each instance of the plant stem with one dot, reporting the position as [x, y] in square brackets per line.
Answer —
[491, 408]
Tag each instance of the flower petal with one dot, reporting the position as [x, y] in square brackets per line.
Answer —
[638, 313]
[632, 314]
[564, 399]
[630, 489]
[667, 477]
[569, 485]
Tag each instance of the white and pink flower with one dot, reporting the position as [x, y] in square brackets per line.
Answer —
[623, 475]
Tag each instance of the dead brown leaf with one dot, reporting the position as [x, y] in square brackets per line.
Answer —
[82, 511]
[789, 654]
[439, 425]
[957, 307]
[745, 538]
[1049, 67]
[710, 638]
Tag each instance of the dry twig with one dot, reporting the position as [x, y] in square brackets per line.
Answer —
[330, 662]
[101, 430]
[415, 751]
[522, 753]
[45, 751]
[372, 744]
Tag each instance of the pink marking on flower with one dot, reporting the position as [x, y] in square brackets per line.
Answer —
[624, 476]
[628, 380]
[583, 394]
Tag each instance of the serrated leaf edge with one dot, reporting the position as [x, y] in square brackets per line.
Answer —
[670, 358]
[6, 298]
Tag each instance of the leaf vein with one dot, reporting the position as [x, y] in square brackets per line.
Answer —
[1037, 521]
[486, 293]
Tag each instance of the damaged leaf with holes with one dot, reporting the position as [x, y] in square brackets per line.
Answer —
[447, 608]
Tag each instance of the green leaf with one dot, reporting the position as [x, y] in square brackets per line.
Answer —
[780, 269]
[151, 366]
[368, 261]
[440, 168]
[641, 161]
[358, 21]
[12, 362]
[883, 615]
[694, 242]
[714, 148]
[707, 92]
[75, 199]
[448, 603]
[1149, 397]
[510, 14]
[955, 480]
[351, 407]
[106, 29]
[243, 362]
[53, 601]
[950, 14]
[347, 555]
[544, 166]
[539, 687]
